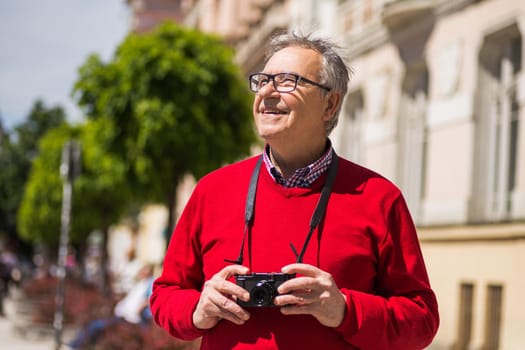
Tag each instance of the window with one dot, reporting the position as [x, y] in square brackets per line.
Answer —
[497, 125]
[466, 298]
[413, 138]
[493, 317]
[352, 128]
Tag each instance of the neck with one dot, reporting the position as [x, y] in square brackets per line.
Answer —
[288, 161]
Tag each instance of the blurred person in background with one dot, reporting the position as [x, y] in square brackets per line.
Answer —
[125, 273]
[133, 308]
[9, 273]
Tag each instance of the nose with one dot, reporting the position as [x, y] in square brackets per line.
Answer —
[268, 90]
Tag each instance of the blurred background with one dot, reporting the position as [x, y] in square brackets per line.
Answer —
[154, 93]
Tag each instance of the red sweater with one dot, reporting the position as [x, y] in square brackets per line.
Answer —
[367, 241]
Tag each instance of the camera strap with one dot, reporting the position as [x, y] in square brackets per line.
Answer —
[320, 209]
[317, 215]
[249, 210]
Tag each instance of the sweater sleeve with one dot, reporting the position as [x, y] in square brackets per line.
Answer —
[177, 290]
[402, 313]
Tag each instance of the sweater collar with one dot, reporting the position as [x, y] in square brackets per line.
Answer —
[303, 177]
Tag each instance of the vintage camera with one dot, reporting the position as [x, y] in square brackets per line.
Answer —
[262, 287]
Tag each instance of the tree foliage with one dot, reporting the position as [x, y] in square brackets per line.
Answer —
[176, 103]
[39, 214]
[17, 150]
[40, 120]
[100, 195]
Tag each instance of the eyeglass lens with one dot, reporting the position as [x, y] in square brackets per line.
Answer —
[282, 82]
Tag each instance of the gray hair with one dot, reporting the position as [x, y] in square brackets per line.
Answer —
[334, 72]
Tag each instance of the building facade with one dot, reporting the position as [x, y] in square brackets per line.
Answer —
[436, 104]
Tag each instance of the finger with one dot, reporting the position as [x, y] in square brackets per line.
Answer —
[225, 315]
[232, 270]
[229, 288]
[297, 309]
[299, 285]
[302, 269]
[229, 309]
[293, 299]
[220, 281]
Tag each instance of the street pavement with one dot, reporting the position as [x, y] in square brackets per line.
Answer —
[14, 335]
[10, 339]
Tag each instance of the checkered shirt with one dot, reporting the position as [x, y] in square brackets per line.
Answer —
[303, 177]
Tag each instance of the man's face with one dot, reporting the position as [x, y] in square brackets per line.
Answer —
[296, 117]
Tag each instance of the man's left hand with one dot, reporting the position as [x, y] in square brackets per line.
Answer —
[314, 293]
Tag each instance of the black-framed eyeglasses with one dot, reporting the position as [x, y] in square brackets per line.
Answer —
[282, 82]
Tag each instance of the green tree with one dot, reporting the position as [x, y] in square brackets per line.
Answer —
[17, 150]
[177, 103]
[39, 215]
[100, 198]
[40, 120]
[10, 183]
[100, 195]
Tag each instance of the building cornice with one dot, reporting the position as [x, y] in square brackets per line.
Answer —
[397, 14]
[366, 40]
[473, 233]
[250, 52]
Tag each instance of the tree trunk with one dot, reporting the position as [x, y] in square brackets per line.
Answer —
[105, 280]
[172, 207]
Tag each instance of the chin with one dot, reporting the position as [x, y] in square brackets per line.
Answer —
[268, 133]
[265, 136]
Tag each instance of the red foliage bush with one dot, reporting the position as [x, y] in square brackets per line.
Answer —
[123, 335]
[82, 301]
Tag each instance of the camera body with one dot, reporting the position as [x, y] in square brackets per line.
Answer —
[262, 287]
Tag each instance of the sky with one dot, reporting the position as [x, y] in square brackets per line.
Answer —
[42, 45]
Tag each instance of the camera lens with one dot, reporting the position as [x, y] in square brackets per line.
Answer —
[263, 293]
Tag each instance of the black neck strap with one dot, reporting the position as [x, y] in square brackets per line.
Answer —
[317, 215]
[249, 210]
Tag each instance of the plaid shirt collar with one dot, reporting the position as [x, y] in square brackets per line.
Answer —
[303, 177]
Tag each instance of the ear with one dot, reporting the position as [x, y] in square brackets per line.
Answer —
[332, 101]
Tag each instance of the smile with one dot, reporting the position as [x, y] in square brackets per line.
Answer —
[273, 111]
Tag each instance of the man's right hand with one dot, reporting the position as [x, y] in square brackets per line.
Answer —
[218, 297]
